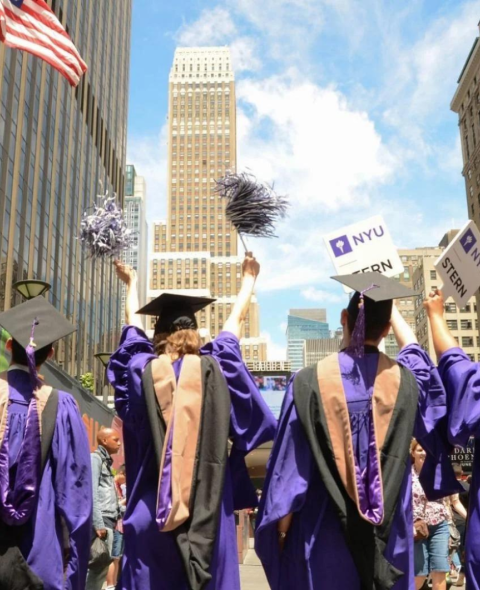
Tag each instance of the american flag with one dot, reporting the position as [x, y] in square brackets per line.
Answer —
[31, 25]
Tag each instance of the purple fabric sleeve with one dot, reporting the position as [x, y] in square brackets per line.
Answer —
[251, 421]
[73, 487]
[437, 477]
[461, 377]
[125, 371]
[288, 475]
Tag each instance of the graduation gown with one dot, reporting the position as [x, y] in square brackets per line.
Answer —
[64, 497]
[152, 558]
[461, 378]
[316, 555]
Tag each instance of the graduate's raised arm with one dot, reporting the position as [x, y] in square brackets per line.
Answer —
[129, 276]
[250, 269]
[442, 338]
[402, 331]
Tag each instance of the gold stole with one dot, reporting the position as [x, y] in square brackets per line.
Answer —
[181, 407]
[41, 395]
[332, 394]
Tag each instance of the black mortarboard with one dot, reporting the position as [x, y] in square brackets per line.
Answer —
[376, 287]
[175, 312]
[384, 289]
[34, 325]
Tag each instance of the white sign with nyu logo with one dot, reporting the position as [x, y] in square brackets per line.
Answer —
[459, 266]
[364, 247]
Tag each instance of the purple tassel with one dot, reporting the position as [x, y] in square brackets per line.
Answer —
[32, 365]
[357, 342]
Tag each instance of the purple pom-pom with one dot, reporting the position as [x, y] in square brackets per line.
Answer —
[104, 232]
[252, 207]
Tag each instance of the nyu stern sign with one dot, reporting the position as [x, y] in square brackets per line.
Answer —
[364, 247]
[459, 265]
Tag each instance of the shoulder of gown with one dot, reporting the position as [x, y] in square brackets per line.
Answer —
[252, 422]
[461, 377]
[431, 424]
[125, 371]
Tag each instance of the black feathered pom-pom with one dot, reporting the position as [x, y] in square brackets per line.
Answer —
[253, 208]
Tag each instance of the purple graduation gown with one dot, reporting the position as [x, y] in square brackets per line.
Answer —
[151, 558]
[65, 490]
[315, 555]
[461, 378]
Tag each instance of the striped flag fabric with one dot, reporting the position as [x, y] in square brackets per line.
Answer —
[32, 26]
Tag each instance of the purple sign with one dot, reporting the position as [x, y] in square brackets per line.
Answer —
[341, 246]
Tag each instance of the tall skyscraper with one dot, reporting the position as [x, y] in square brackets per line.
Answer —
[304, 325]
[59, 149]
[135, 215]
[195, 248]
[466, 103]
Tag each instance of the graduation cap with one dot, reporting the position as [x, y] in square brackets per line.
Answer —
[34, 325]
[175, 312]
[376, 287]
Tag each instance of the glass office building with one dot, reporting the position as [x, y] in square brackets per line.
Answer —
[59, 148]
[303, 325]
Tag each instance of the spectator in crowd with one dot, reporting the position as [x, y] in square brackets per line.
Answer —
[106, 511]
[430, 522]
[459, 503]
[117, 550]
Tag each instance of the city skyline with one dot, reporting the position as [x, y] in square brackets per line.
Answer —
[194, 250]
[343, 133]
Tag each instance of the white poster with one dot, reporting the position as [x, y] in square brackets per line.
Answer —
[364, 247]
[459, 265]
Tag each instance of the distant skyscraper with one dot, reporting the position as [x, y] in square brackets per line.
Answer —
[195, 248]
[60, 148]
[135, 214]
[303, 325]
[466, 103]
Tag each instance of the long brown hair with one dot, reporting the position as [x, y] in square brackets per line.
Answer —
[178, 343]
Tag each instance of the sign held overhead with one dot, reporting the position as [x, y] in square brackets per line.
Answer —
[364, 247]
[459, 265]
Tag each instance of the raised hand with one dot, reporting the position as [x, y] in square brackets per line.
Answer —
[434, 304]
[250, 266]
[125, 273]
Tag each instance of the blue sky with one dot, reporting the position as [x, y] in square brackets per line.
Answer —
[344, 104]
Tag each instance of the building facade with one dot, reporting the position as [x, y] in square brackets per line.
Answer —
[136, 217]
[303, 325]
[317, 350]
[466, 104]
[420, 275]
[194, 250]
[59, 149]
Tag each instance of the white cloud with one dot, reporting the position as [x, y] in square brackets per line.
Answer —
[287, 26]
[212, 27]
[149, 156]
[308, 139]
[421, 81]
[275, 350]
[321, 296]
[327, 157]
[244, 55]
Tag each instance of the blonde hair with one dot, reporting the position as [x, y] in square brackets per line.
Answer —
[178, 343]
